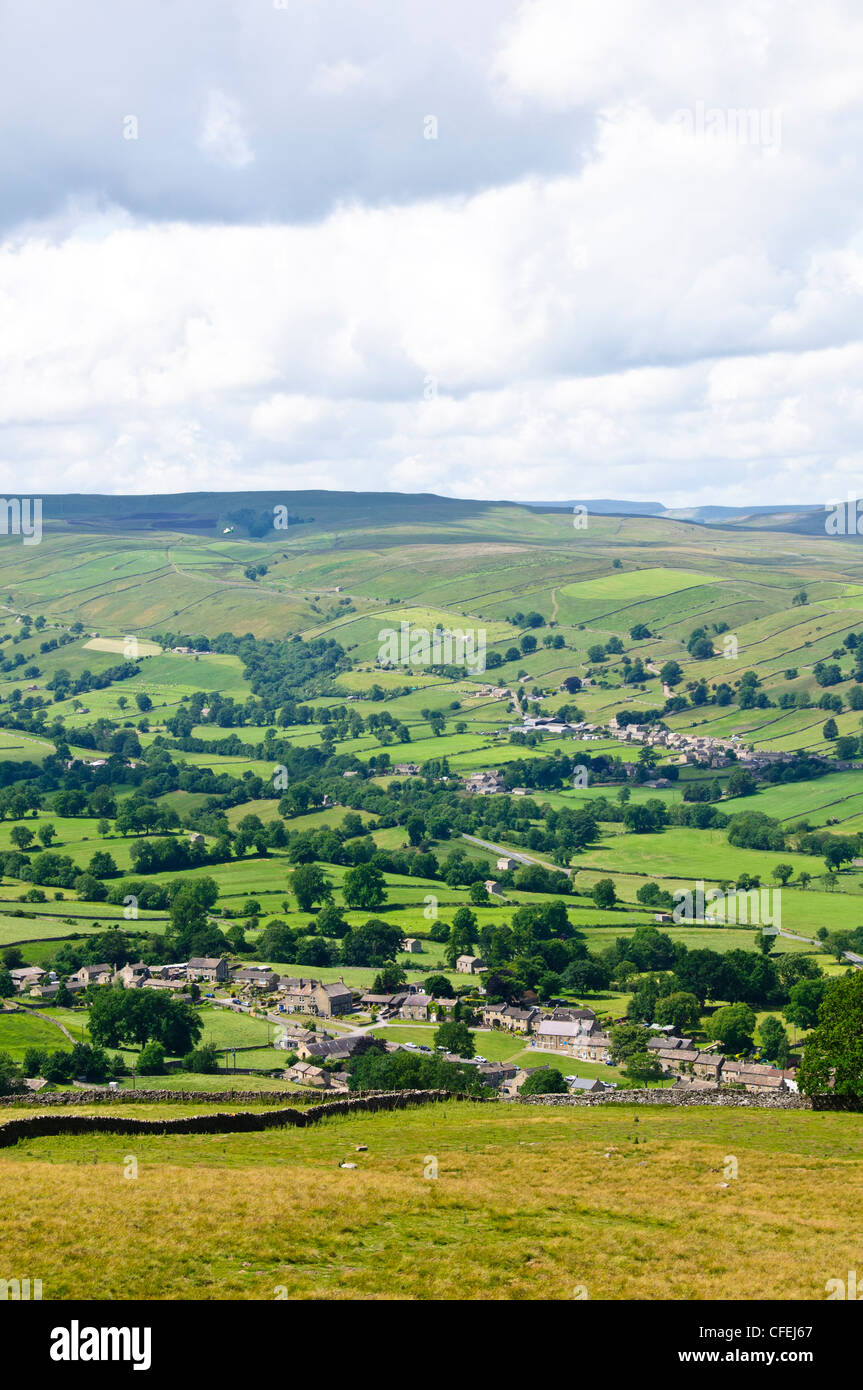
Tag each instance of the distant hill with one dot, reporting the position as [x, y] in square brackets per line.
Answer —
[249, 515]
[603, 506]
[796, 516]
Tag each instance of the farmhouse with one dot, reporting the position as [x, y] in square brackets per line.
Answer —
[307, 1074]
[92, 975]
[469, 965]
[25, 976]
[314, 1048]
[587, 1085]
[257, 975]
[46, 989]
[587, 1043]
[509, 1018]
[484, 783]
[412, 945]
[506, 863]
[416, 1006]
[132, 976]
[333, 999]
[207, 968]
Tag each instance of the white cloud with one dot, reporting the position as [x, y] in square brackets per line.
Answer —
[334, 79]
[566, 293]
[222, 135]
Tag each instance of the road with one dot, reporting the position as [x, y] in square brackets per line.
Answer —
[516, 854]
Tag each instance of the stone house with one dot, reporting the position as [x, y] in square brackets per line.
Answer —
[307, 1074]
[510, 1018]
[257, 975]
[24, 976]
[45, 989]
[132, 976]
[412, 945]
[416, 1006]
[299, 995]
[333, 999]
[212, 968]
[469, 965]
[505, 862]
[92, 975]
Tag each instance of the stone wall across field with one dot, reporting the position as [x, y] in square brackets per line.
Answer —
[786, 1100]
[99, 1095]
[220, 1122]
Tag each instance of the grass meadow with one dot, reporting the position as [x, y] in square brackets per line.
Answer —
[528, 1203]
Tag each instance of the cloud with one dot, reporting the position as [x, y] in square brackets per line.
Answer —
[222, 136]
[572, 290]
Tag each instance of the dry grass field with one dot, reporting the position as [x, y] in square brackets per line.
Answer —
[529, 1203]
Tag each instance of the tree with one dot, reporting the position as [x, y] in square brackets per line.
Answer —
[783, 872]
[805, 999]
[439, 987]
[833, 1056]
[642, 1067]
[416, 828]
[8, 1074]
[331, 921]
[586, 977]
[734, 1027]
[604, 893]
[364, 887]
[152, 1059]
[374, 943]
[203, 1059]
[741, 783]
[388, 979]
[773, 1039]
[830, 731]
[671, 673]
[456, 1037]
[21, 836]
[46, 833]
[310, 886]
[626, 1039]
[7, 985]
[545, 1081]
[139, 1016]
[681, 1010]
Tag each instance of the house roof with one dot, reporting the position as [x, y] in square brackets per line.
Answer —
[204, 962]
[559, 1028]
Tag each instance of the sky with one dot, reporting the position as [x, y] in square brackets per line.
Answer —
[524, 249]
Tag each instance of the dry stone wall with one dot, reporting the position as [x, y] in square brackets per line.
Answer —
[220, 1122]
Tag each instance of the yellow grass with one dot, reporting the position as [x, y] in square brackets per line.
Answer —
[529, 1202]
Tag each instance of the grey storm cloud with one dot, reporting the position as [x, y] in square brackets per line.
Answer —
[251, 111]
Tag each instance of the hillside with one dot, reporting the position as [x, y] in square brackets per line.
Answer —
[539, 1203]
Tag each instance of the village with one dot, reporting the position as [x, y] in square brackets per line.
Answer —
[323, 1025]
